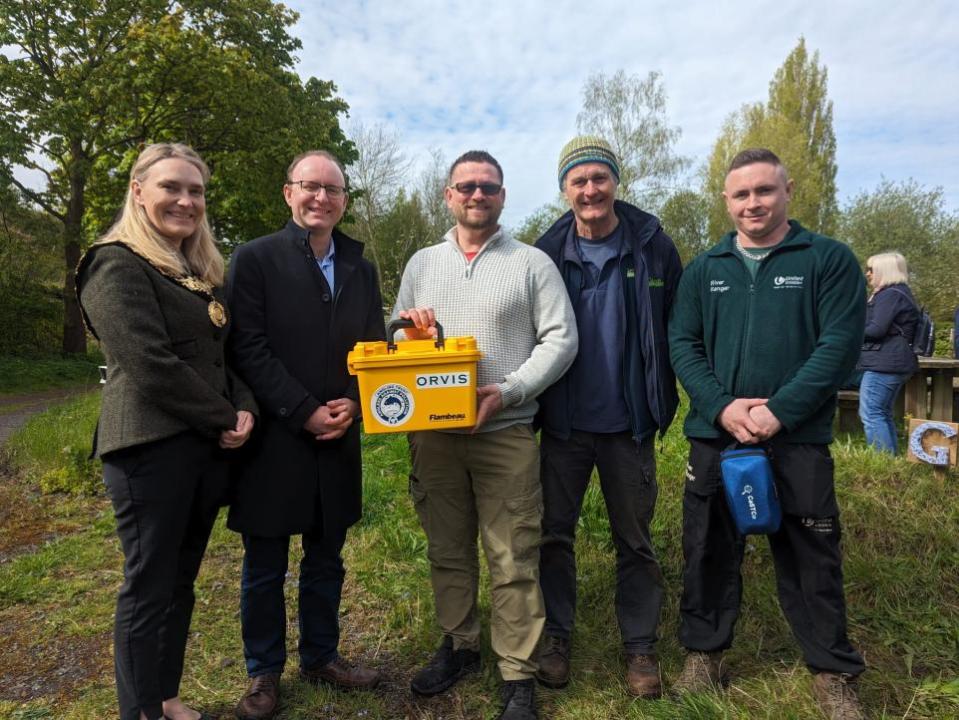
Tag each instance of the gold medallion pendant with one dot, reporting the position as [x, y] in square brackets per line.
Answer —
[217, 313]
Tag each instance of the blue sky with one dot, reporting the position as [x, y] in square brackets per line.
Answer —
[508, 76]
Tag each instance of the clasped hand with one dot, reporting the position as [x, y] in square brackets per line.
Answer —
[232, 439]
[331, 421]
[749, 420]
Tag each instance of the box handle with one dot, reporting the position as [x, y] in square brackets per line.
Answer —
[399, 324]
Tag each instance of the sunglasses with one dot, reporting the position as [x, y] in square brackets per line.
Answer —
[468, 188]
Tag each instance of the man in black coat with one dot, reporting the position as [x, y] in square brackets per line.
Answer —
[301, 298]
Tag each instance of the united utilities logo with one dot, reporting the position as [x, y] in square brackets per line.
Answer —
[788, 282]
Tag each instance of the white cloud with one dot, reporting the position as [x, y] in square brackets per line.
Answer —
[507, 76]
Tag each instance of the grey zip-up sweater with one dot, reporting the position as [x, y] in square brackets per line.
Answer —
[511, 298]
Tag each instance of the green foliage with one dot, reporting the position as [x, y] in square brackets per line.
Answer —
[405, 228]
[796, 124]
[684, 218]
[910, 219]
[30, 373]
[31, 303]
[629, 112]
[84, 85]
[541, 219]
[54, 447]
[393, 214]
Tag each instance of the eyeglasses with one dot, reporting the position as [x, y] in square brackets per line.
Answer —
[312, 188]
[598, 179]
[468, 188]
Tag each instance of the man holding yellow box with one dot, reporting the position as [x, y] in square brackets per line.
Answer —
[485, 479]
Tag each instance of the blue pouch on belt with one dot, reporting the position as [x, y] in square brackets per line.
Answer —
[750, 490]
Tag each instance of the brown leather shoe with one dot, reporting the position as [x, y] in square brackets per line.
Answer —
[702, 672]
[642, 676]
[836, 694]
[343, 675]
[259, 702]
[554, 662]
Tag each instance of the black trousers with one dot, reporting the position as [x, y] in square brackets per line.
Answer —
[263, 602]
[806, 554]
[165, 497]
[627, 476]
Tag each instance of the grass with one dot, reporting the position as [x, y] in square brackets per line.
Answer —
[31, 373]
[54, 446]
[901, 541]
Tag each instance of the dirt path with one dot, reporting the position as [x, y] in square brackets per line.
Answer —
[15, 410]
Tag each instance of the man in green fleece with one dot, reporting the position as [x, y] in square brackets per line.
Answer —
[764, 328]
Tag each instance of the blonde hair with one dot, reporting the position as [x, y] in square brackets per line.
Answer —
[888, 269]
[198, 254]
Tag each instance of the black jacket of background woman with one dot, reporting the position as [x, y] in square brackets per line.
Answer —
[891, 318]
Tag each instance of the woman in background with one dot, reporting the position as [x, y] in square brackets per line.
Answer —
[887, 359]
[150, 291]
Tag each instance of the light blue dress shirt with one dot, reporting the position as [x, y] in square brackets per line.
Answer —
[326, 265]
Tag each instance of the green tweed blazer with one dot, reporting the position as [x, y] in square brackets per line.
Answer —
[166, 371]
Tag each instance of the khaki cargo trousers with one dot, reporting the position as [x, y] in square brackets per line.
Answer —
[487, 484]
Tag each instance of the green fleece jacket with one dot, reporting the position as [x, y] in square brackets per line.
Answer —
[791, 335]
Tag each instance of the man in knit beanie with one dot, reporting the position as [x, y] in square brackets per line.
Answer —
[620, 270]
[485, 480]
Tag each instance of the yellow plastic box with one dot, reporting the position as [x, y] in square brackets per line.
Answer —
[416, 384]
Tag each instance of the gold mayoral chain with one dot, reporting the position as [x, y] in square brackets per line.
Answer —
[215, 309]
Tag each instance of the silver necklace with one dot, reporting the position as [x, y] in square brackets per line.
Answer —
[756, 257]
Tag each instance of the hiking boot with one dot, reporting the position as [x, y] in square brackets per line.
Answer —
[446, 667]
[554, 662]
[519, 700]
[836, 695]
[259, 702]
[642, 676]
[702, 672]
[343, 675]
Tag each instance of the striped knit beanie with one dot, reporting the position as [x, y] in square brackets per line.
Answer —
[586, 149]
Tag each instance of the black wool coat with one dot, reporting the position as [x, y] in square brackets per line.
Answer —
[289, 343]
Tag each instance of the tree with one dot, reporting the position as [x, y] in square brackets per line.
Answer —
[88, 83]
[31, 309]
[907, 218]
[684, 217]
[407, 226]
[431, 187]
[540, 220]
[378, 173]
[796, 124]
[629, 112]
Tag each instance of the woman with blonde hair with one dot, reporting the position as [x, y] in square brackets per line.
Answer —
[887, 358]
[151, 293]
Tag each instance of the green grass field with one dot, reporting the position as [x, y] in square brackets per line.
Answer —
[23, 374]
[901, 539]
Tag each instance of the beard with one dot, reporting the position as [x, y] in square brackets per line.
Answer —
[482, 222]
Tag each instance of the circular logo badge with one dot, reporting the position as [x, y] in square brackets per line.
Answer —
[392, 404]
